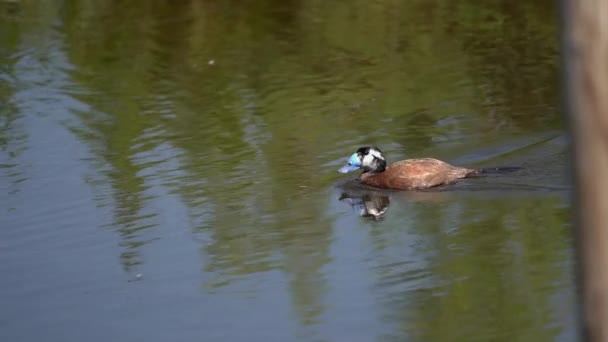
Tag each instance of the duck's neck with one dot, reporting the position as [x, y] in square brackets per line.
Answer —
[372, 173]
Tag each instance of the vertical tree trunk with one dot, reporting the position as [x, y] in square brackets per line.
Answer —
[585, 38]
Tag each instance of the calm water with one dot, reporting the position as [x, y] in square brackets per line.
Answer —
[168, 172]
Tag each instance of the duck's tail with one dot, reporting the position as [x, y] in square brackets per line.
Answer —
[493, 170]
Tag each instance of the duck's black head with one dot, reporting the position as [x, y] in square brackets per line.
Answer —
[369, 159]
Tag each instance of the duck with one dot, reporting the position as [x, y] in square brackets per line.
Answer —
[409, 174]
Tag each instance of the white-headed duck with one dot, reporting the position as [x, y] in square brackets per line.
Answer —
[409, 174]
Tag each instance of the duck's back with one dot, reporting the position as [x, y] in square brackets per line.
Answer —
[415, 174]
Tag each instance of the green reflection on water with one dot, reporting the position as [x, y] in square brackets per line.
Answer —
[493, 266]
[243, 110]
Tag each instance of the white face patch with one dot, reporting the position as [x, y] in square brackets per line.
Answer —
[376, 153]
[369, 157]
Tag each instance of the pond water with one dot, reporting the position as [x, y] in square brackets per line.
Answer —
[168, 172]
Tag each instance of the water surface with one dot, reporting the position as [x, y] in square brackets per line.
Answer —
[168, 172]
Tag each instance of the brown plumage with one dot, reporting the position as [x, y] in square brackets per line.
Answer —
[415, 174]
[403, 175]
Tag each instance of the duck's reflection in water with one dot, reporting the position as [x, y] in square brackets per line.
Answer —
[373, 203]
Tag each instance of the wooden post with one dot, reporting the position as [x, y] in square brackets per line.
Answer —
[585, 56]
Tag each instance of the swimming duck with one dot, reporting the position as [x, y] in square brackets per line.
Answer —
[409, 174]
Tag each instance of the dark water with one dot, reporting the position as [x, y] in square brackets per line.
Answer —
[168, 172]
